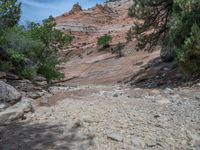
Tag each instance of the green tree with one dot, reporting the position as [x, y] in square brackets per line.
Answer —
[170, 23]
[9, 16]
[9, 13]
[153, 16]
[32, 50]
[35, 49]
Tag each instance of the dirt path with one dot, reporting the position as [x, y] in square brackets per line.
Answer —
[105, 116]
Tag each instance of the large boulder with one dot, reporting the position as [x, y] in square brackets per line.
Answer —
[16, 111]
[8, 95]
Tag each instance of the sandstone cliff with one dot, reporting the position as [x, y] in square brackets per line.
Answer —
[110, 18]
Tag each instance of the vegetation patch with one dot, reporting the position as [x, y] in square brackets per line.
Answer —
[104, 41]
[31, 50]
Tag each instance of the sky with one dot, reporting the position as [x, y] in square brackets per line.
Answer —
[37, 10]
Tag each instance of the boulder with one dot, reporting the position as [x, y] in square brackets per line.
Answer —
[16, 111]
[8, 94]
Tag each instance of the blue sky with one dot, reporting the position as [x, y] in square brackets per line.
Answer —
[37, 10]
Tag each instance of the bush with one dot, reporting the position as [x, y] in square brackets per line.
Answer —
[29, 73]
[104, 40]
[48, 70]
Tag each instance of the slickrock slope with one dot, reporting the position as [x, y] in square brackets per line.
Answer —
[110, 18]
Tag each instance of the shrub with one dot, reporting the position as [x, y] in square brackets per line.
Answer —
[48, 70]
[104, 40]
[29, 73]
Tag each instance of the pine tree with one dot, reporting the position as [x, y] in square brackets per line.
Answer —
[171, 24]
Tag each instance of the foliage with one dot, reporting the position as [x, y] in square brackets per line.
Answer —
[31, 50]
[188, 55]
[174, 24]
[153, 16]
[29, 73]
[104, 40]
[48, 69]
[9, 13]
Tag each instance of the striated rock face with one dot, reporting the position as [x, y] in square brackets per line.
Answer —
[110, 18]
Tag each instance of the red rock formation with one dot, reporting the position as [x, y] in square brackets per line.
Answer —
[87, 25]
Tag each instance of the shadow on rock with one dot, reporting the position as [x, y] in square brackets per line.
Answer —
[159, 74]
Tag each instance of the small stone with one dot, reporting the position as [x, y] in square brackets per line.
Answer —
[168, 91]
[2, 107]
[115, 95]
[164, 101]
[41, 83]
[115, 136]
[155, 91]
[33, 95]
[136, 141]
[39, 79]
[166, 69]
[156, 116]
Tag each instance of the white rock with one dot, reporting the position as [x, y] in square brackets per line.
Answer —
[168, 91]
[16, 111]
[115, 136]
[8, 94]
